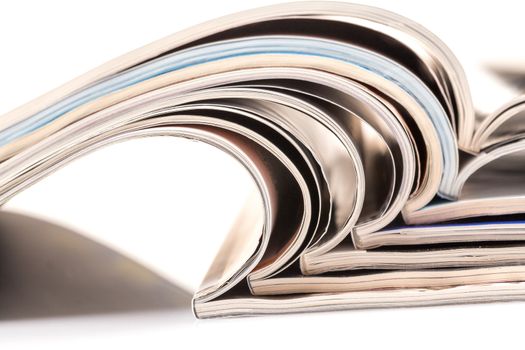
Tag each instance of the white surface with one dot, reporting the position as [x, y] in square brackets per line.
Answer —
[45, 43]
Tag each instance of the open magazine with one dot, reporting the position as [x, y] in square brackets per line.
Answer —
[379, 185]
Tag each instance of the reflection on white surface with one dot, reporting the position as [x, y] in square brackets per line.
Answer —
[491, 326]
[53, 280]
[49, 271]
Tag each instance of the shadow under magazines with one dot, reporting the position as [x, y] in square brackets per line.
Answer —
[50, 271]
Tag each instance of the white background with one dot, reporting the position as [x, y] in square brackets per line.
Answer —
[166, 213]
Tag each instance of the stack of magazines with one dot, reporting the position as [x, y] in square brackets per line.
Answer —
[378, 182]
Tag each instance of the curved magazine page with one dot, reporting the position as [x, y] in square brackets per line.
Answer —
[361, 300]
[490, 184]
[420, 256]
[502, 126]
[435, 167]
[400, 34]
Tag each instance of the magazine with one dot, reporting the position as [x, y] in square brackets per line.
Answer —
[378, 182]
